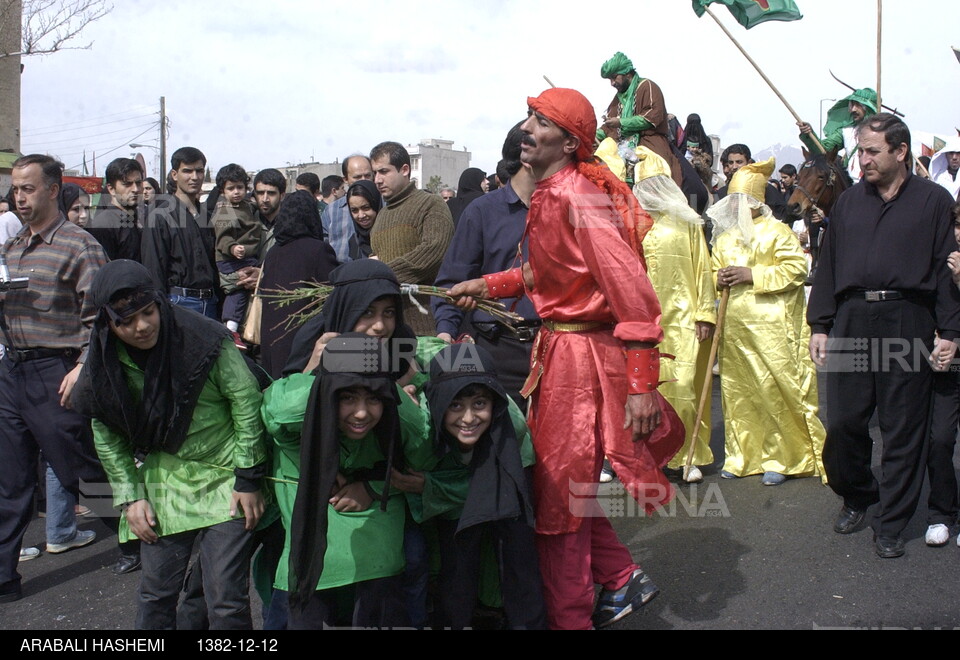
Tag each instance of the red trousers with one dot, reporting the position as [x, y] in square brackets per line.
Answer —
[571, 564]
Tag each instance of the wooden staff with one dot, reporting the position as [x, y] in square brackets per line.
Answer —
[879, 34]
[549, 82]
[756, 66]
[707, 381]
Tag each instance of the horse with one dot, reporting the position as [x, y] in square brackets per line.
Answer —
[820, 182]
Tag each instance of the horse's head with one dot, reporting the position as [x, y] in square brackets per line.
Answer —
[820, 180]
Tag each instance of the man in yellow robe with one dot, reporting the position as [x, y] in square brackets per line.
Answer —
[678, 266]
[768, 382]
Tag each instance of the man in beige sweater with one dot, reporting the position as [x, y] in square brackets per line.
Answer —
[412, 232]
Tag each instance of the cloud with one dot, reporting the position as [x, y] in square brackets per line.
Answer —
[428, 62]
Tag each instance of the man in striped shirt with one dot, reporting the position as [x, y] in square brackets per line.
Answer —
[46, 328]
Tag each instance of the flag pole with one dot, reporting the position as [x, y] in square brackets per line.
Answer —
[763, 75]
[879, 34]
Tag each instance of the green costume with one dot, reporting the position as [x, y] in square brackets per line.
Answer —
[839, 129]
[192, 488]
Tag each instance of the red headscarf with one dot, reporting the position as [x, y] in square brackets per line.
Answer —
[571, 111]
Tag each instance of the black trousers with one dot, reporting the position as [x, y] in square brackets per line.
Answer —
[32, 420]
[511, 356]
[878, 362]
[377, 603]
[520, 584]
[943, 502]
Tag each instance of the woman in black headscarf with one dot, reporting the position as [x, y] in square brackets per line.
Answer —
[472, 186]
[696, 138]
[357, 285]
[299, 255]
[166, 386]
[74, 204]
[364, 202]
[498, 499]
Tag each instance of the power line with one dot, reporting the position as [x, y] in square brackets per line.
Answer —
[126, 143]
[79, 138]
[91, 126]
[57, 127]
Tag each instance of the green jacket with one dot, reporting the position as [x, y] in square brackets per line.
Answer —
[191, 489]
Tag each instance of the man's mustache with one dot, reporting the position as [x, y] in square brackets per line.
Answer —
[528, 140]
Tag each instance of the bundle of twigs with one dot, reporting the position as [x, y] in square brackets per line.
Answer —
[314, 295]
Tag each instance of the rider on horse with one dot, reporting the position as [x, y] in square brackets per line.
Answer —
[840, 131]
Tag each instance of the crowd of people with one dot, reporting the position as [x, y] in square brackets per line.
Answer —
[381, 455]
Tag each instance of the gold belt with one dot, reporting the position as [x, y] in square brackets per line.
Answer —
[560, 326]
[540, 347]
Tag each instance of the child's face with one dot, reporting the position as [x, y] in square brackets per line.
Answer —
[380, 319]
[141, 329]
[363, 214]
[360, 411]
[468, 418]
[956, 230]
[234, 191]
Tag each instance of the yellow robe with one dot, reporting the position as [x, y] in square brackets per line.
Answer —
[678, 266]
[768, 381]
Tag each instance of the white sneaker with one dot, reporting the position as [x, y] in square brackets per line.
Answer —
[606, 475]
[26, 554]
[938, 535]
[694, 475]
[81, 539]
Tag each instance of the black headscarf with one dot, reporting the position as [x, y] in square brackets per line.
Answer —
[356, 285]
[176, 368]
[351, 360]
[468, 190]
[298, 218]
[693, 132]
[498, 486]
[360, 242]
[69, 195]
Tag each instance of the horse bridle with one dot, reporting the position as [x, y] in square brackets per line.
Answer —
[831, 181]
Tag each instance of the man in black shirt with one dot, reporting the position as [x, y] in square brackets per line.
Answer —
[116, 225]
[178, 240]
[881, 291]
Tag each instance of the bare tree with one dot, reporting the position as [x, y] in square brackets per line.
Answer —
[48, 26]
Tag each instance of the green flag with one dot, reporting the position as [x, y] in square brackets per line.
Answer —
[752, 12]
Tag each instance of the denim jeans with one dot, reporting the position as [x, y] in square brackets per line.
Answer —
[207, 307]
[61, 518]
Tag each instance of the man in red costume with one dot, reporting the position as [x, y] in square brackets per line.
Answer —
[594, 358]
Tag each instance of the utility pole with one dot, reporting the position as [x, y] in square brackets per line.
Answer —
[163, 144]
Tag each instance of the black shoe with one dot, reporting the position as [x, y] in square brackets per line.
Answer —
[888, 547]
[11, 592]
[849, 519]
[126, 564]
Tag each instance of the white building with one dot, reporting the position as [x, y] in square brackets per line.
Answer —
[433, 157]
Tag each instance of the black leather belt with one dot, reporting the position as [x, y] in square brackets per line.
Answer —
[28, 354]
[885, 295]
[526, 331]
[202, 294]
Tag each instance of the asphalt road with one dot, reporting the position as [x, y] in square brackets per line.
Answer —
[727, 555]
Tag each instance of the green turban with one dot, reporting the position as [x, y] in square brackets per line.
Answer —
[618, 65]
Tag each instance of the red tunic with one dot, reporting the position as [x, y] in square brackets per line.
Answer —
[586, 271]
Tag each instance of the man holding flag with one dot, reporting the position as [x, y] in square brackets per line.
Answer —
[840, 131]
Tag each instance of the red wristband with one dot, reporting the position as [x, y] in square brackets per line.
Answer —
[506, 284]
[643, 370]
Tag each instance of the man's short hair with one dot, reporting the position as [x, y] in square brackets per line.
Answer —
[120, 168]
[394, 151]
[310, 181]
[789, 170]
[895, 132]
[448, 189]
[346, 162]
[186, 155]
[741, 149]
[330, 184]
[511, 152]
[50, 167]
[231, 173]
[271, 177]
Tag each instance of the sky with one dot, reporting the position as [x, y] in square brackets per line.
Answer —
[293, 81]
